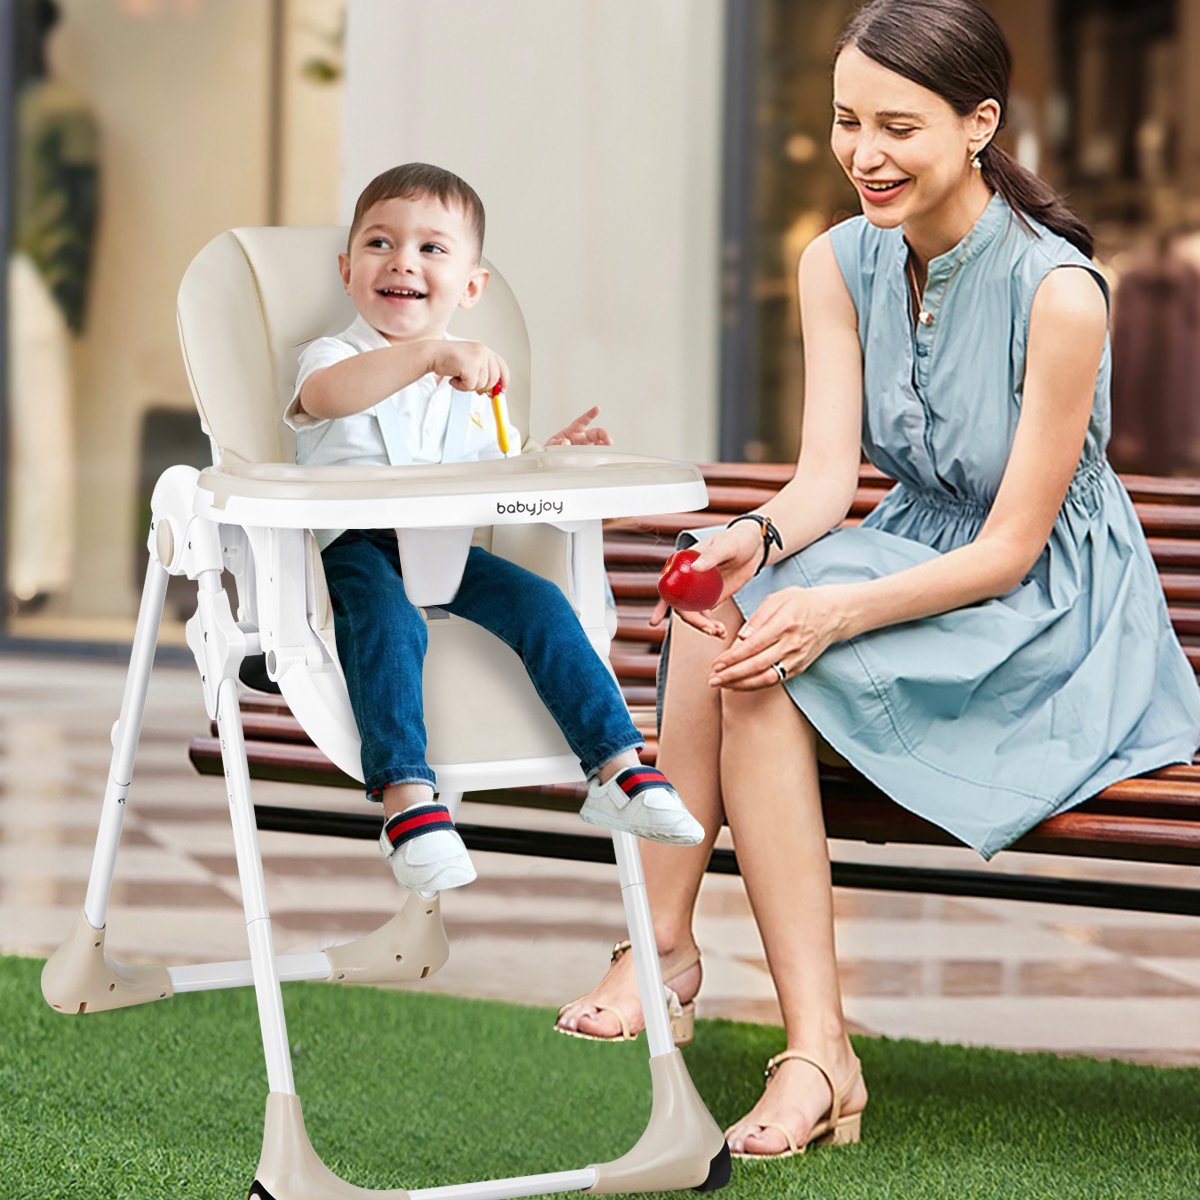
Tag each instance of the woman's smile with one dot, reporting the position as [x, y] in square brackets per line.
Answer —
[881, 191]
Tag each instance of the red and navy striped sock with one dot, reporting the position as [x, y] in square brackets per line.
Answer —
[415, 821]
[637, 779]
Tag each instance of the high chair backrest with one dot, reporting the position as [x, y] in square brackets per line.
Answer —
[251, 300]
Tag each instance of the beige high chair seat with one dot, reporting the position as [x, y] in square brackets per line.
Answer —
[249, 301]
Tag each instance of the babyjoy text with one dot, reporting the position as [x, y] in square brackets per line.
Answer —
[534, 508]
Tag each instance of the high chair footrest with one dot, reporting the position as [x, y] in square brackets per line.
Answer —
[412, 945]
[79, 977]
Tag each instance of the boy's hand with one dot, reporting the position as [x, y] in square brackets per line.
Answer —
[469, 366]
[578, 433]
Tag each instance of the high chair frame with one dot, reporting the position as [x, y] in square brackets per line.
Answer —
[248, 514]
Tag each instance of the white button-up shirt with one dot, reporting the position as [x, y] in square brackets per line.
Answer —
[426, 422]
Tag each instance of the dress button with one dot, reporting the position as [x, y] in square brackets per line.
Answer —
[922, 351]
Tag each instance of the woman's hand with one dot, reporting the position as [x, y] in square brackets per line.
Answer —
[736, 553]
[792, 627]
[578, 433]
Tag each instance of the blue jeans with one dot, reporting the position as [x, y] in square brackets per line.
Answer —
[381, 642]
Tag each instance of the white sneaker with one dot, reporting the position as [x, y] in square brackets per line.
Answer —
[641, 801]
[425, 849]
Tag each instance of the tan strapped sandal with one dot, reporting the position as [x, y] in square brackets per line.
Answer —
[834, 1130]
[683, 1016]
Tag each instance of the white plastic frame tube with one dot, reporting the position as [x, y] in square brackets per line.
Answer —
[125, 742]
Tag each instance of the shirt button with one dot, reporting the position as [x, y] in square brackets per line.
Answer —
[922, 351]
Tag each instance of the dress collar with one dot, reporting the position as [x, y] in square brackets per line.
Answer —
[993, 218]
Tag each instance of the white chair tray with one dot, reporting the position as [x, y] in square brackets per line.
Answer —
[558, 485]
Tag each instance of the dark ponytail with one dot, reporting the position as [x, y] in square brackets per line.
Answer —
[1026, 193]
[956, 49]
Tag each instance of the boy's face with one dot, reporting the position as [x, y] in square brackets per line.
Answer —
[412, 262]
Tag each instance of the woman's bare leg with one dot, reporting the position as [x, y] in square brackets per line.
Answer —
[688, 756]
[773, 805]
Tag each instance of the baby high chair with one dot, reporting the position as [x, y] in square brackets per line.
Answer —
[247, 303]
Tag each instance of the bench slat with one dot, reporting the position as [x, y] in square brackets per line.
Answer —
[1180, 587]
[1175, 554]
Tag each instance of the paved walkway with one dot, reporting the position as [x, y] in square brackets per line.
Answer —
[996, 973]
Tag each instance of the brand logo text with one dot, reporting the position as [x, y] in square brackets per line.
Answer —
[534, 508]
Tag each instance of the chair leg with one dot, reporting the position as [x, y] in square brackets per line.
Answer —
[79, 976]
[125, 741]
[682, 1146]
[220, 646]
[289, 1168]
[641, 938]
[451, 800]
[254, 893]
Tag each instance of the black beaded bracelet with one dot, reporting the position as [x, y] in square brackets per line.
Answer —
[770, 534]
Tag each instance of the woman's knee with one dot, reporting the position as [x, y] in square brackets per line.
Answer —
[763, 709]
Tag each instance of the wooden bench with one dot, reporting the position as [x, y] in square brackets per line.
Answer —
[1153, 818]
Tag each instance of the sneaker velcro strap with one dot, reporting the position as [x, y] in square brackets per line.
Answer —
[415, 821]
[637, 779]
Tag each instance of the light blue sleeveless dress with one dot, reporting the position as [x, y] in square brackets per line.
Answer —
[989, 718]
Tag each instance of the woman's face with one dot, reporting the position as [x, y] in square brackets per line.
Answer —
[906, 151]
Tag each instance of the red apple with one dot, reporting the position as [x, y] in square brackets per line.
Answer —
[683, 588]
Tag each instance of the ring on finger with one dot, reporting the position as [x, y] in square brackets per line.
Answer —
[780, 670]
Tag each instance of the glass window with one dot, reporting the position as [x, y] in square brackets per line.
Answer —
[143, 128]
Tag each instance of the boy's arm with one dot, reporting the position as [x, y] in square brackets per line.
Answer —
[362, 380]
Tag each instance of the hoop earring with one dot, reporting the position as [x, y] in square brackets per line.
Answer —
[976, 162]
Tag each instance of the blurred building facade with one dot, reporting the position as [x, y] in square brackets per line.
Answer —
[652, 170]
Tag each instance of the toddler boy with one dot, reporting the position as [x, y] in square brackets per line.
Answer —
[382, 392]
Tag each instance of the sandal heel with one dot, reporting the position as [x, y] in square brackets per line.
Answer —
[835, 1129]
[847, 1131]
[683, 1024]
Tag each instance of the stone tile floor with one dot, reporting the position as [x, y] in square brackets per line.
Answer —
[997, 973]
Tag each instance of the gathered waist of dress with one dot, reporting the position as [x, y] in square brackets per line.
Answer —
[1086, 482]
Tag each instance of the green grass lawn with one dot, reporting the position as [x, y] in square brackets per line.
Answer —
[412, 1090]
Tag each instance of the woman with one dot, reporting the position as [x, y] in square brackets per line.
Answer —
[991, 645]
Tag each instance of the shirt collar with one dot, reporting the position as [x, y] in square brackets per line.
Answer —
[365, 336]
[362, 333]
[993, 218]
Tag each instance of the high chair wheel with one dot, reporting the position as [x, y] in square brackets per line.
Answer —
[719, 1170]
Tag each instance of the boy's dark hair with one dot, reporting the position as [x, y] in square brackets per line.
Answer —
[413, 180]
